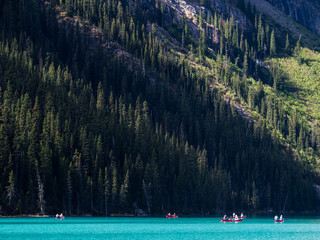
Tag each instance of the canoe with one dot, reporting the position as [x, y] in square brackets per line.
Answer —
[171, 216]
[231, 220]
[279, 220]
[59, 217]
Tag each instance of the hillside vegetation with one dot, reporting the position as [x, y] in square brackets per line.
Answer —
[117, 107]
[300, 82]
[299, 88]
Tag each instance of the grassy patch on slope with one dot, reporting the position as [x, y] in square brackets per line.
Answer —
[300, 88]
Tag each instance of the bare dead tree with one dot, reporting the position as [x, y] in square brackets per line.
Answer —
[10, 188]
[69, 189]
[144, 186]
[41, 200]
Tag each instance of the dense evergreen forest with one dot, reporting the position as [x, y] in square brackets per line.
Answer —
[100, 115]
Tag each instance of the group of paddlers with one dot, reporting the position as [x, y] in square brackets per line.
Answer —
[234, 216]
[276, 218]
[59, 215]
[169, 215]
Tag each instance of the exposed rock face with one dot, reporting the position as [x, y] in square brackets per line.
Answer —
[306, 12]
[178, 9]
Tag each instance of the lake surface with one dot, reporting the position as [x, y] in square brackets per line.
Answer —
[158, 228]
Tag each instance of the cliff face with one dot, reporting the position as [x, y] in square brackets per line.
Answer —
[176, 10]
[306, 12]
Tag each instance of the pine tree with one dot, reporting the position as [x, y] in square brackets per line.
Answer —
[287, 44]
[297, 50]
[100, 97]
[123, 195]
[273, 48]
[245, 65]
[4, 151]
[69, 190]
[200, 20]
[77, 162]
[106, 191]
[201, 46]
[215, 19]
[114, 190]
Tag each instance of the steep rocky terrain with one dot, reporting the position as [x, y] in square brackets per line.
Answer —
[283, 23]
[306, 12]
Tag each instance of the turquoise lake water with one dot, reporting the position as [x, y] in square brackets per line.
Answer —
[158, 228]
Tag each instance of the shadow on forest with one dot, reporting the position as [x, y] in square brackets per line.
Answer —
[290, 87]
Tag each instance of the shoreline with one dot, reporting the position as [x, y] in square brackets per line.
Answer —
[115, 215]
[26, 215]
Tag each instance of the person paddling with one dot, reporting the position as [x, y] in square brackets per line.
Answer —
[276, 217]
[281, 218]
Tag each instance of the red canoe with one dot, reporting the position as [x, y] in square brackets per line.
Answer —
[171, 216]
[279, 220]
[231, 220]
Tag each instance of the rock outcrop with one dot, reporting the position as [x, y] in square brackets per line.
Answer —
[176, 10]
[305, 12]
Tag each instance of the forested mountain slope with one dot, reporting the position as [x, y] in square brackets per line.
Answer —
[115, 106]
